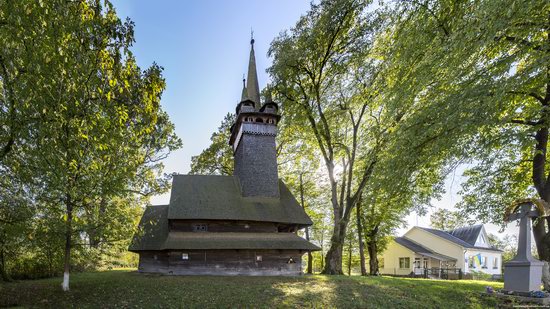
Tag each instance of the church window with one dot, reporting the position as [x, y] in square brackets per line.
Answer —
[258, 258]
[200, 228]
[185, 256]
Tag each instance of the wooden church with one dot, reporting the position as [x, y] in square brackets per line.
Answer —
[245, 224]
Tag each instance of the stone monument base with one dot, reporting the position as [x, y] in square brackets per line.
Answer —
[523, 276]
[544, 301]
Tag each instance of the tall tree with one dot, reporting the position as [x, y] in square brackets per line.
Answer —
[321, 70]
[97, 133]
[479, 74]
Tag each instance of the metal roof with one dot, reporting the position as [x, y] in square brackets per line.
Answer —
[418, 248]
[468, 234]
[448, 236]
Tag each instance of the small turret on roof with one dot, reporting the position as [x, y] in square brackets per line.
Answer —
[244, 95]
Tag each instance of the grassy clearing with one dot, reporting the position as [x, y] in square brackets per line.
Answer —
[132, 290]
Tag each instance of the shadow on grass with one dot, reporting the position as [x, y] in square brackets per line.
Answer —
[130, 289]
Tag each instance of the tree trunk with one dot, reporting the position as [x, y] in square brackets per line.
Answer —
[309, 255]
[541, 237]
[360, 239]
[349, 255]
[3, 273]
[333, 259]
[372, 246]
[68, 234]
[322, 250]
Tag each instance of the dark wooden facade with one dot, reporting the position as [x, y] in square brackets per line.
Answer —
[223, 262]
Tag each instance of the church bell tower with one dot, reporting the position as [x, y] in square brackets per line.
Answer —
[253, 138]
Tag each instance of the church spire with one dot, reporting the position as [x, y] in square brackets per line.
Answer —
[244, 95]
[252, 87]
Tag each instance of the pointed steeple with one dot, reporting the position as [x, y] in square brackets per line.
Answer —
[244, 95]
[252, 87]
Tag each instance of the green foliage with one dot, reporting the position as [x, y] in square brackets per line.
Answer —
[126, 289]
[444, 219]
[332, 76]
[508, 244]
[476, 74]
[217, 159]
[83, 132]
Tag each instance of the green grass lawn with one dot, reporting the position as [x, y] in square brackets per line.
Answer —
[128, 289]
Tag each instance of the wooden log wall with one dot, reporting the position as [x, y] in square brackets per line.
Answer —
[224, 262]
[224, 226]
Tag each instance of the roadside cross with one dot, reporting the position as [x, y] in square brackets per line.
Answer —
[525, 214]
[524, 273]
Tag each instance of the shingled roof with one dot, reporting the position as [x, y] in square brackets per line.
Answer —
[152, 229]
[228, 240]
[153, 234]
[211, 197]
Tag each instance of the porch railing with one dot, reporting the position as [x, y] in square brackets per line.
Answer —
[441, 273]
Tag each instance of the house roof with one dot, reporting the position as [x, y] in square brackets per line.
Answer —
[468, 234]
[212, 197]
[452, 238]
[153, 234]
[229, 240]
[418, 248]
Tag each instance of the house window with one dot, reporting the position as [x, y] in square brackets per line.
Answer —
[471, 262]
[417, 262]
[185, 256]
[258, 258]
[483, 262]
[200, 228]
[495, 263]
[404, 262]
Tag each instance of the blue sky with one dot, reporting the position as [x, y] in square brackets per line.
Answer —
[203, 47]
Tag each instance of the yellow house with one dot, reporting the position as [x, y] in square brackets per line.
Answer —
[431, 252]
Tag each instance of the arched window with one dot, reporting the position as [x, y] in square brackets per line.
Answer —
[259, 120]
